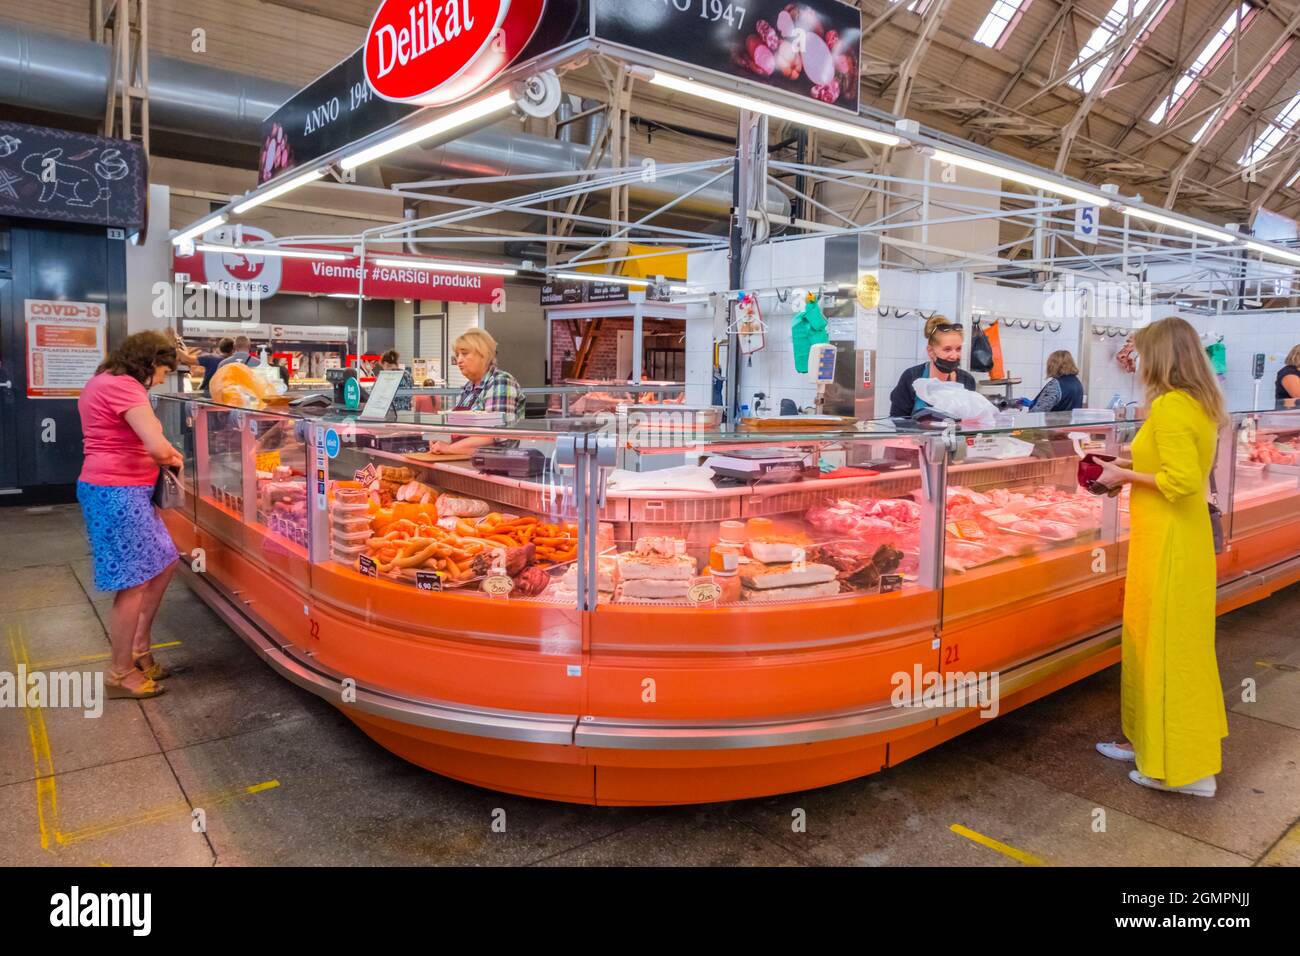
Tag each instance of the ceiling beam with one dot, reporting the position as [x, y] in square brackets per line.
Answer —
[912, 63]
[1126, 40]
[1229, 99]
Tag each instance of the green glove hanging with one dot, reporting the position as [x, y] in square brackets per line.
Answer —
[809, 329]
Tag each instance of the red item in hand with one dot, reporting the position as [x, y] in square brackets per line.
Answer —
[1090, 473]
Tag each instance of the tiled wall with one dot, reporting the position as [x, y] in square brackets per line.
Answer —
[1244, 335]
[1025, 350]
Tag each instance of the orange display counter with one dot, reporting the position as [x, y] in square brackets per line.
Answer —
[615, 701]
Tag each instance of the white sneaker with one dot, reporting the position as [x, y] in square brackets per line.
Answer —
[1114, 751]
[1205, 787]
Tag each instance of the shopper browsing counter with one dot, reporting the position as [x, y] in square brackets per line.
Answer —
[488, 389]
[1288, 377]
[943, 346]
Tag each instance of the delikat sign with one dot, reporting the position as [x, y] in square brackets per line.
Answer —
[431, 52]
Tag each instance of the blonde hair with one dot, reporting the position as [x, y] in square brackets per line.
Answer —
[933, 323]
[478, 341]
[1061, 363]
[1171, 357]
[1293, 357]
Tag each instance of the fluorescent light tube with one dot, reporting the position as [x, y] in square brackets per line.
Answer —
[740, 102]
[342, 295]
[1025, 179]
[198, 229]
[443, 124]
[596, 277]
[279, 253]
[432, 266]
[1183, 224]
[1271, 250]
[280, 190]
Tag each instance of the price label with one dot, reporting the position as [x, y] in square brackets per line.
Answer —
[367, 566]
[890, 582]
[365, 475]
[704, 593]
[498, 585]
[428, 580]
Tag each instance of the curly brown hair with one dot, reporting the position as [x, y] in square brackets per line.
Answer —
[139, 355]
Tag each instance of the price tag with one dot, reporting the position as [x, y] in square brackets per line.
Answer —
[498, 585]
[428, 580]
[367, 566]
[704, 593]
[365, 475]
[890, 582]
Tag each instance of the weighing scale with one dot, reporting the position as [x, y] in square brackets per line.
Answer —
[763, 464]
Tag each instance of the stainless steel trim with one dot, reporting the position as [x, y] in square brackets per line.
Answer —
[686, 735]
[455, 718]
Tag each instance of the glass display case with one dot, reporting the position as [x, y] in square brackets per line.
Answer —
[644, 586]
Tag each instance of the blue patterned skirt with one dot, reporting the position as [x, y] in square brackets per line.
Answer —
[128, 540]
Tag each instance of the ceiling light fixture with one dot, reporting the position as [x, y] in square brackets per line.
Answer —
[1270, 250]
[443, 124]
[198, 229]
[1023, 178]
[1174, 223]
[740, 102]
[275, 252]
[430, 265]
[287, 186]
[597, 277]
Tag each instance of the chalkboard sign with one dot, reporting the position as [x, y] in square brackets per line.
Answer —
[71, 177]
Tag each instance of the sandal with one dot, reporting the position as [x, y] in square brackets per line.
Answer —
[116, 690]
[155, 671]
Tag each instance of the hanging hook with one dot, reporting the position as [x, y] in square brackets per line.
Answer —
[1055, 327]
[1039, 326]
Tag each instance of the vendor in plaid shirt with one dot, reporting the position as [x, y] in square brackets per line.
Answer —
[487, 389]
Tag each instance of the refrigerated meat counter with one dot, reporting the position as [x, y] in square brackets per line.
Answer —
[617, 624]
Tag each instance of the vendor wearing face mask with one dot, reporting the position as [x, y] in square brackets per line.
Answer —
[943, 346]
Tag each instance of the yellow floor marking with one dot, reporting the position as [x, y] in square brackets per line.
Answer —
[166, 811]
[47, 796]
[92, 658]
[47, 803]
[1020, 856]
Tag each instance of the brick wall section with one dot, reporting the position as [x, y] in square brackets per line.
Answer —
[604, 362]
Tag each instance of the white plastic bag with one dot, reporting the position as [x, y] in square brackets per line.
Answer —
[955, 401]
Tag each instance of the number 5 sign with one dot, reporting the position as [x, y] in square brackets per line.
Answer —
[1085, 224]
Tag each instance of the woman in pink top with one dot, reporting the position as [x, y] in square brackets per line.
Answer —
[133, 553]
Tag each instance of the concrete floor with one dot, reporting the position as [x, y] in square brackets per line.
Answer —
[282, 778]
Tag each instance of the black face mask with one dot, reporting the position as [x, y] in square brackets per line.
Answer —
[947, 365]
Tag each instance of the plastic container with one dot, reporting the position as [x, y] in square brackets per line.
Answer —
[350, 510]
[350, 524]
[350, 537]
[350, 496]
[759, 527]
[732, 533]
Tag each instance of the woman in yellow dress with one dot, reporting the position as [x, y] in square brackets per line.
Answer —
[1171, 701]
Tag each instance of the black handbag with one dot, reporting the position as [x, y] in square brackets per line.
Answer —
[1216, 514]
[168, 490]
[981, 350]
